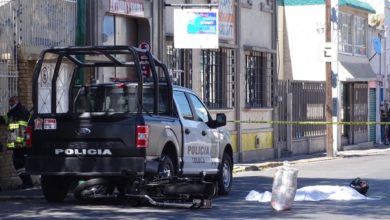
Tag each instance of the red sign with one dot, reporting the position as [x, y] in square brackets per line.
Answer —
[143, 59]
[144, 45]
[127, 7]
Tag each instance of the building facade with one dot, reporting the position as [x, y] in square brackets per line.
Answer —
[237, 78]
[356, 87]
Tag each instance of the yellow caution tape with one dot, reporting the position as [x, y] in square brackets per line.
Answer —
[313, 122]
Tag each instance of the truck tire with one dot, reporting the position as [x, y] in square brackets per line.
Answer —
[54, 188]
[225, 175]
[166, 168]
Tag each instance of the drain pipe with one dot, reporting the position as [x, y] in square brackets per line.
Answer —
[197, 203]
[238, 82]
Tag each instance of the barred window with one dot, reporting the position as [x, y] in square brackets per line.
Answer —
[258, 79]
[217, 78]
[179, 64]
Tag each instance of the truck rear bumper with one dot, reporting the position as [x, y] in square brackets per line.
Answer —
[85, 166]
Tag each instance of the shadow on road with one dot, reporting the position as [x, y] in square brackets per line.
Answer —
[233, 206]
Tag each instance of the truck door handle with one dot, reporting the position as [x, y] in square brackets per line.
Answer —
[187, 131]
[204, 133]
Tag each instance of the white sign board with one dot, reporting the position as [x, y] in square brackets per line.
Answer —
[328, 52]
[196, 28]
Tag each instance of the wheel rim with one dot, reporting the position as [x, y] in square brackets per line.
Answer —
[167, 171]
[95, 191]
[226, 174]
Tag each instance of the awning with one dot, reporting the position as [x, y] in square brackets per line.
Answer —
[358, 5]
[356, 72]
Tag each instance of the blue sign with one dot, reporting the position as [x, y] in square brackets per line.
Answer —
[377, 45]
[203, 23]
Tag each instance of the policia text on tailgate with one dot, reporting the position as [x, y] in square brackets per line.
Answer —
[108, 121]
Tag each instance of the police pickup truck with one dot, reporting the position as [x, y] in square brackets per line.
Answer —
[108, 120]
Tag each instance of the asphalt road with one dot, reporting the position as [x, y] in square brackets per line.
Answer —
[375, 169]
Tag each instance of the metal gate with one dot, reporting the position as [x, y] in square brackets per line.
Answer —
[283, 91]
[31, 26]
[355, 109]
[308, 104]
[372, 114]
[8, 53]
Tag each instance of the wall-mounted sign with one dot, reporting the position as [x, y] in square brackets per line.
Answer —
[328, 52]
[227, 19]
[127, 7]
[143, 59]
[196, 28]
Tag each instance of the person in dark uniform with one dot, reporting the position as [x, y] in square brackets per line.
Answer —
[17, 120]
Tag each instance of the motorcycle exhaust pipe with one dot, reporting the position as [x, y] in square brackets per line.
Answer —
[196, 203]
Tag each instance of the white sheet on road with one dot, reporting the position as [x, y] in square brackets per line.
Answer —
[313, 193]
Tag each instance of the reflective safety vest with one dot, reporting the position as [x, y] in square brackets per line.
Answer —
[16, 134]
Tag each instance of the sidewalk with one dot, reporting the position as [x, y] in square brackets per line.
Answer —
[36, 193]
[242, 167]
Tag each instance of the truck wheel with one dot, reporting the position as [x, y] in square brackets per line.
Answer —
[166, 168]
[225, 176]
[54, 188]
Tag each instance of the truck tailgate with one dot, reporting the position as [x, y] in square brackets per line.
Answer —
[94, 144]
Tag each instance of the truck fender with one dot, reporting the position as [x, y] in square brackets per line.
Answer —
[168, 136]
[224, 143]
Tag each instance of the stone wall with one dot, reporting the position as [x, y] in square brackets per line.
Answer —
[8, 178]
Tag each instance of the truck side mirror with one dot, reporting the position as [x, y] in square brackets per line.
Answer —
[220, 120]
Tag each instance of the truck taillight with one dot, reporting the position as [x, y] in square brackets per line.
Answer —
[28, 136]
[142, 136]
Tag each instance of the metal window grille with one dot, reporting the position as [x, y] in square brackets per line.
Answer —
[179, 64]
[258, 79]
[47, 23]
[217, 78]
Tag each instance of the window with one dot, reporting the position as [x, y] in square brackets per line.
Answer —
[179, 64]
[200, 110]
[217, 78]
[183, 105]
[345, 44]
[352, 37]
[360, 35]
[119, 30]
[258, 79]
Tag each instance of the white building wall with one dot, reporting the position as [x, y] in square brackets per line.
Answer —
[304, 37]
[258, 33]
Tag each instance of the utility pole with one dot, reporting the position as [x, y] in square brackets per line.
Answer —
[328, 87]
[81, 28]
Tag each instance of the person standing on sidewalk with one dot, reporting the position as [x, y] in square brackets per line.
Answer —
[16, 120]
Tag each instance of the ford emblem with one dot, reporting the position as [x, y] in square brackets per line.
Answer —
[83, 131]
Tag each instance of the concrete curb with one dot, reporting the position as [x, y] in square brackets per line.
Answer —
[341, 154]
[265, 165]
